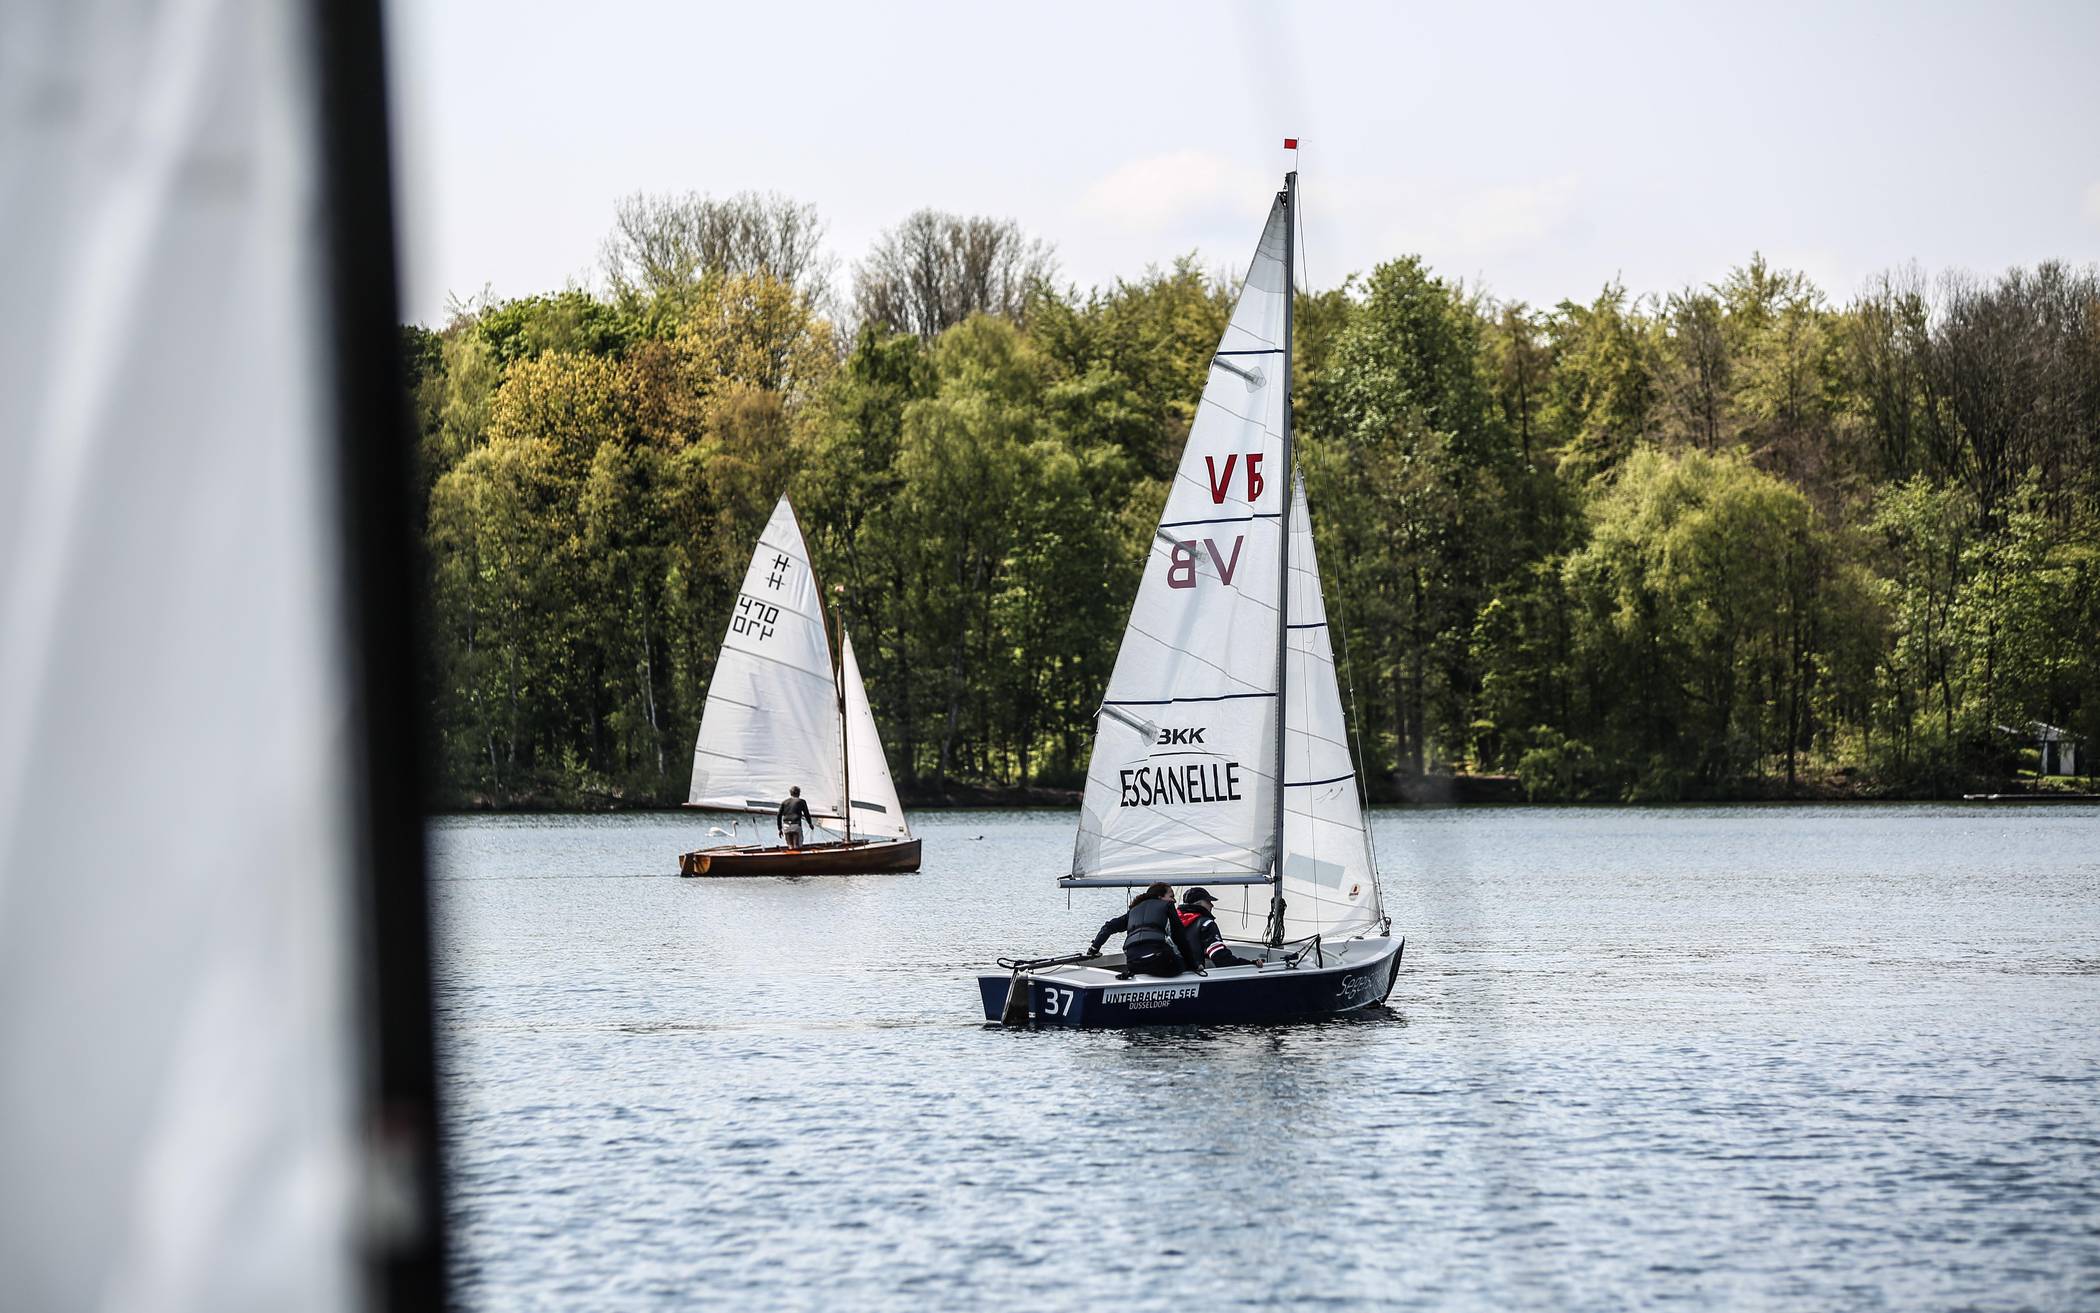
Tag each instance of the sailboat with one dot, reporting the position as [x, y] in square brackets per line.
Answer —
[1221, 753]
[780, 715]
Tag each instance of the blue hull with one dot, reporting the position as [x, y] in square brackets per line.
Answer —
[1357, 976]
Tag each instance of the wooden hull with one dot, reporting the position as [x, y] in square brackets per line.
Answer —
[1347, 978]
[861, 857]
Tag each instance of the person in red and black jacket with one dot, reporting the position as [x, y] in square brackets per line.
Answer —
[1200, 931]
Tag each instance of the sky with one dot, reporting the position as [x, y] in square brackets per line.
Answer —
[1536, 151]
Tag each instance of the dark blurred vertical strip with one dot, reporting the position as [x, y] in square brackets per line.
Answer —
[386, 600]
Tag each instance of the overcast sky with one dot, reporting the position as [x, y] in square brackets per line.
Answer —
[1538, 149]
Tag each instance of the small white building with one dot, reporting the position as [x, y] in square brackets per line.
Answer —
[2060, 749]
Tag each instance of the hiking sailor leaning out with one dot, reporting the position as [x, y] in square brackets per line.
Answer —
[1154, 943]
[794, 814]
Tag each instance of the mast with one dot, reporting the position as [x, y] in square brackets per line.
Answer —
[1283, 567]
[838, 611]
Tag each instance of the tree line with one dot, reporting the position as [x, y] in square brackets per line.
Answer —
[1728, 541]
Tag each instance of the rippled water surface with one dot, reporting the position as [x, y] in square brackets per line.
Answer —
[1737, 1057]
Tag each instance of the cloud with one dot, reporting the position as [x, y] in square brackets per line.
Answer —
[1465, 223]
[1187, 190]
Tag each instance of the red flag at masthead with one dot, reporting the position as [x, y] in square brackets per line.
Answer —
[1290, 143]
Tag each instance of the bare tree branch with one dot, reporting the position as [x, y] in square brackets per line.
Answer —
[935, 270]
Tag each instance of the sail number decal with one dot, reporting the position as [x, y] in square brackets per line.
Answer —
[1221, 480]
[1181, 565]
[1058, 1002]
[754, 617]
[1191, 782]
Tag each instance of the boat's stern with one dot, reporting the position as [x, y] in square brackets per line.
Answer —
[1055, 996]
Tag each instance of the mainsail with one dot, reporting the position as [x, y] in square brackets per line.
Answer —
[1208, 699]
[1181, 786]
[772, 717]
[876, 811]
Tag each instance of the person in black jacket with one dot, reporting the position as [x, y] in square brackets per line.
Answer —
[1206, 943]
[1153, 941]
[794, 814]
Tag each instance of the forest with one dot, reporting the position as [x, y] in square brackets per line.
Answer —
[1732, 540]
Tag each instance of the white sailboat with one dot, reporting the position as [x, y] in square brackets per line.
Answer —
[780, 715]
[1221, 752]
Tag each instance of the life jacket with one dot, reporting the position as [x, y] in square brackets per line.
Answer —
[1207, 943]
[1147, 923]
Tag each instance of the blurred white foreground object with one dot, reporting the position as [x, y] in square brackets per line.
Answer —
[187, 980]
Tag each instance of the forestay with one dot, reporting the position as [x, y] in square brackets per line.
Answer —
[1330, 884]
[877, 813]
[772, 721]
[1181, 783]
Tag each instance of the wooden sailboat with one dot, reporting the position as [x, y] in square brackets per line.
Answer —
[780, 715]
[1221, 751]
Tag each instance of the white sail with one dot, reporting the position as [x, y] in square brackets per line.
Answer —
[876, 811]
[182, 828]
[772, 716]
[1181, 783]
[1330, 886]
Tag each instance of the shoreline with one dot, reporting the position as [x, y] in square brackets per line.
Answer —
[1430, 792]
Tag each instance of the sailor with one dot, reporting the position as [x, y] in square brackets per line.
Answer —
[794, 814]
[1152, 935]
[1200, 928]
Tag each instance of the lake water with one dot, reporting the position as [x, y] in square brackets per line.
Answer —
[1744, 1057]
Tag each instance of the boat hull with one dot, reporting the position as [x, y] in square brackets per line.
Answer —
[1347, 978]
[872, 857]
